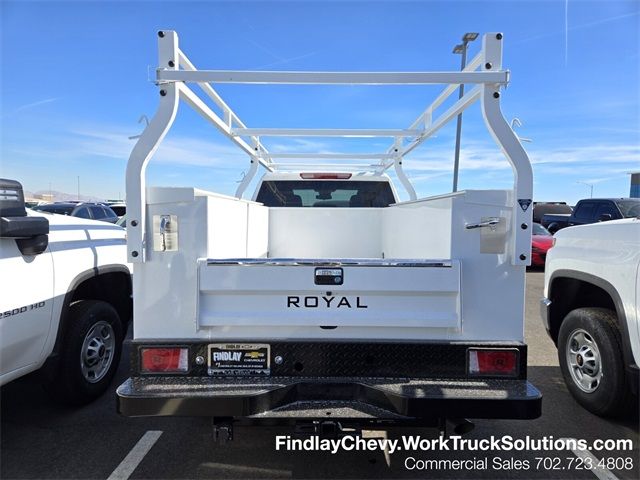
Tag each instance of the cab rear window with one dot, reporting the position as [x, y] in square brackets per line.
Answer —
[325, 193]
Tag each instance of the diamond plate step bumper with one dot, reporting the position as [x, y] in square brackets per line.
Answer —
[305, 397]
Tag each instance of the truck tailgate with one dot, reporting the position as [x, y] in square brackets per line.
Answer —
[375, 292]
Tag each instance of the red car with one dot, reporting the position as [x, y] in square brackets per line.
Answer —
[541, 241]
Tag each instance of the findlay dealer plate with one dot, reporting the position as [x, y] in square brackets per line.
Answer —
[238, 359]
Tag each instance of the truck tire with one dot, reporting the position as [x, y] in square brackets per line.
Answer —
[90, 353]
[590, 355]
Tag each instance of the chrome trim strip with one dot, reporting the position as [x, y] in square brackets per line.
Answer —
[321, 262]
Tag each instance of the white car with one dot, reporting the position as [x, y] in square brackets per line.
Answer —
[66, 298]
[590, 309]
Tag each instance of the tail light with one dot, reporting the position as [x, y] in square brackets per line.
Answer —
[164, 360]
[325, 176]
[490, 362]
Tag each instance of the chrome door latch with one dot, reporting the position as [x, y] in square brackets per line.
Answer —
[491, 222]
[165, 233]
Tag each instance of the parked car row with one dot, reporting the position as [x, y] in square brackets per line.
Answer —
[550, 217]
[92, 211]
[591, 211]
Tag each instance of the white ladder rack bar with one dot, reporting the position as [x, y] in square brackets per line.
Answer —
[458, 107]
[484, 72]
[471, 66]
[203, 109]
[441, 121]
[367, 167]
[332, 78]
[461, 105]
[425, 118]
[229, 115]
[440, 99]
[325, 132]
[346, 156]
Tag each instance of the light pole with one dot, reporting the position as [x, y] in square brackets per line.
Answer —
[462, 49]
[590, 185]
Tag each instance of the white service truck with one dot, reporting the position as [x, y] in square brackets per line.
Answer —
[65, 298]
[590, 309]
[326, 301]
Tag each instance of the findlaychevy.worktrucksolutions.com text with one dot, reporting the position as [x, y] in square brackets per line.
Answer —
[505, 443]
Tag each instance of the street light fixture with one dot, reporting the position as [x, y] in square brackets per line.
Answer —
[461, 49]
[470, 36]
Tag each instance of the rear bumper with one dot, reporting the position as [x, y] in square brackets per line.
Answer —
[342, 398]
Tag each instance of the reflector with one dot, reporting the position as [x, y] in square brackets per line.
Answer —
[167, 360]
[493, 362]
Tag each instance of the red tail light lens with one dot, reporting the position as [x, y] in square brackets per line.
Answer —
[488, 362]
[325, 176]
[164, 360]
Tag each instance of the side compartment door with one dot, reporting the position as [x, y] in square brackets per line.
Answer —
[26, 304]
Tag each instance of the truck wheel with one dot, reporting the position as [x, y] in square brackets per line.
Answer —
[90, 352]
[590, 355]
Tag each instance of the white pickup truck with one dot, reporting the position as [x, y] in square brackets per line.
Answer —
[591, 311]
[326, 301]
[65, 298]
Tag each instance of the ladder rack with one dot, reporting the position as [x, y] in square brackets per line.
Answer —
[176, 72]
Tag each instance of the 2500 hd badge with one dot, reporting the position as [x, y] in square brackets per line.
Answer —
[324, 302]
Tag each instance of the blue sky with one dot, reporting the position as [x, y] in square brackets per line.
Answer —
[75, 81]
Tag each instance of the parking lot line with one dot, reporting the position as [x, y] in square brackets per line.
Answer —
[249, 471]
[600, 472]
[135, 456]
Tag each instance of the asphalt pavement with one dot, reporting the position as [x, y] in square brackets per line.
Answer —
[40, 439]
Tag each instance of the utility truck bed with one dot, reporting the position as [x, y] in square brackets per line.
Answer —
[326, 297]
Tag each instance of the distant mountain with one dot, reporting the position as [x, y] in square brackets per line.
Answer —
[60, 196]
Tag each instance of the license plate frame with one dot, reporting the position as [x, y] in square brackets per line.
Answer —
[239, 359]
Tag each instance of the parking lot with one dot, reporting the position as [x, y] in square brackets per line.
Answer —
[43, 440]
